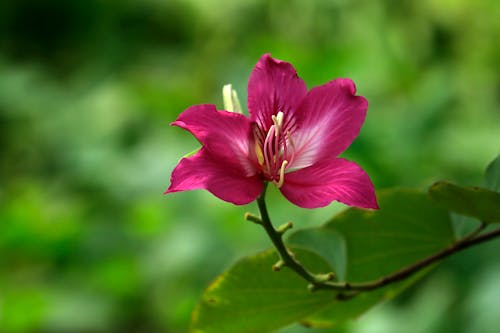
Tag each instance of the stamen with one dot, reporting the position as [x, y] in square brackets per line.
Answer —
[276, 149]
[271, 150]
[279, 183]
[278, 122]
[268, 148]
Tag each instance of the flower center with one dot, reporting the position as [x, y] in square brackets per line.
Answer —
[272, 150]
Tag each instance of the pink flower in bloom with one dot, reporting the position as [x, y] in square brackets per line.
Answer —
[292, 139]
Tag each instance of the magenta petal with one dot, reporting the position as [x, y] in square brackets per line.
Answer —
[335, 179]
[203, 171]
[273, 86]
[328, 120]
[224, 134]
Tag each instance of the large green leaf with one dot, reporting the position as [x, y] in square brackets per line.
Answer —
[407, 228]
[471, 201]
[359, 245]
[250, 297]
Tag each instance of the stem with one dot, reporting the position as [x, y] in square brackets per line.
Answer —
[276, 238]
[412, 269]
[319, 281]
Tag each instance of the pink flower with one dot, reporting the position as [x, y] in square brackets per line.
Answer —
[292, 139]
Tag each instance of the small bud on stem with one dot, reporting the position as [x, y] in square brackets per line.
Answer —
[277, 266]
[284, 227]
[324, 277]
[253, 218]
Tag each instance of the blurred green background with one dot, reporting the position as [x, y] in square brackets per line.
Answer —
[88, 242]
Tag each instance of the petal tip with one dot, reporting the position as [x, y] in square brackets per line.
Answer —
[173, 187]
[372, 204]
[341, 180]
[267, 57]
[266, 60]
[177, 123]
[350, 85]
[363, 203]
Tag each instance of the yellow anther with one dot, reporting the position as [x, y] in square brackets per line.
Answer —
[279, 183]
[278, 122]
[279, 118]
[259, 153]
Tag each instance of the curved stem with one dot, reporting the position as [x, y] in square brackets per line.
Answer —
[276, 237]
[320, 282]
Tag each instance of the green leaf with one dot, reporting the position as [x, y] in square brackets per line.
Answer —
[328, 243]
[360, 246]
[250, 297]
[364, 245]
[492, 175]
[464, 225]
[471, 201]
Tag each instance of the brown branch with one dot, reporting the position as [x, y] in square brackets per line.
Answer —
[414, 268]
[323, 281]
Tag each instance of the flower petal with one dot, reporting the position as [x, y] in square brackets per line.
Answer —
[226, 135]
[204, 171]
[328, 120]
[335, 179]
[273, 86]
